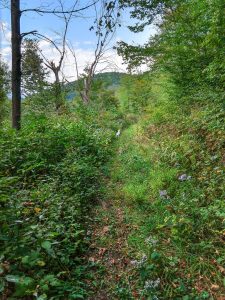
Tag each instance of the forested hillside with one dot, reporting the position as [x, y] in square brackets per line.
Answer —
[119, 192]
[107, 80]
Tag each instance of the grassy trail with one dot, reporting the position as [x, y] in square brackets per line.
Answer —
[159, 232]
[109, 242]
[115, 275]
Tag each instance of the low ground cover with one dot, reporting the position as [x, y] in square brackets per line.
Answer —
[167, 177]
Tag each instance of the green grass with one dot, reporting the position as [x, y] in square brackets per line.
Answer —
[173, 138]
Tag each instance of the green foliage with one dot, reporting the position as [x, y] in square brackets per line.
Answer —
[103, 110]
[40, 95]
[50, 175]
[146, 11]
[41, 103]
[102, 97]
[106, 80]
[110, 79]
[33, 72]
[137, 91]
[178, 224]
[188, 44]
[4, 88]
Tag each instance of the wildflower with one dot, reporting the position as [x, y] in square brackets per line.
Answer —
[151, 241]
[139, 263]
[134, 262]
[151, 284]
[143, 259]
[41, 217]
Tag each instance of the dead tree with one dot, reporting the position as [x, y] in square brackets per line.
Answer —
[17, 36]
[56, 67]
[106, 20]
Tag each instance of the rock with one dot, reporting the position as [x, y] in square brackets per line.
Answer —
[184, 177]
[163, 194]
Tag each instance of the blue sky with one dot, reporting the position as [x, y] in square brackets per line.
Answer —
[78, 35]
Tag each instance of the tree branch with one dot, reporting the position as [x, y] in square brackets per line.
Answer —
[55, 11]
[27, 33]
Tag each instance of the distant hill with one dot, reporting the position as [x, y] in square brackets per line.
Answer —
[111, 80]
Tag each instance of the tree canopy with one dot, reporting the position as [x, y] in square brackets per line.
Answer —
[189, 42]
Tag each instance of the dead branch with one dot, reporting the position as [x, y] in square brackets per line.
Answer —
[57, 11]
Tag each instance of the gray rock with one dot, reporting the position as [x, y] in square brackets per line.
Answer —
[184, 177]
[163, 194]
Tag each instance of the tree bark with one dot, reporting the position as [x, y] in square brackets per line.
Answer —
[58, 91]
[16, 64]
[86, 91]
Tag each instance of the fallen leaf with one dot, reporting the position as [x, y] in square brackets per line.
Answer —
[222, 270]
[112, 261]
[135, 294]
[102, 251]
[37, 210]
[28, 203]
[215, 287]
[91, 259]
[105, 229]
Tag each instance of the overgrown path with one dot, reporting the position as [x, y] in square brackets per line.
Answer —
[154, 236]
[109, 250]
[115, 274]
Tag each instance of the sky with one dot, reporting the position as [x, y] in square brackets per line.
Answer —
[79, 36]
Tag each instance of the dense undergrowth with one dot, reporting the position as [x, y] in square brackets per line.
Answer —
[85, 217]
[168, 178]
[164, 174]
[50, 176]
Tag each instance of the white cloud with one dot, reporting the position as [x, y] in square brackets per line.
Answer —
[5, 34]
[111, 61]
[5, 52]
[5, 42]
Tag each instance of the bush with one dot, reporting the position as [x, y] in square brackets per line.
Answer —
[50, 173]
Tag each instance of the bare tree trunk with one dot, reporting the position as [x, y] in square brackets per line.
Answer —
[85, 94]
[58, 91]
[16, 64]
[105, 24]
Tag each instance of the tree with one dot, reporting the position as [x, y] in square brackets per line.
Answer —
[60, 47]
[16, 64]
[4, 87]
[17, 36]
[188, 44]
[33, 72]
[105, 25]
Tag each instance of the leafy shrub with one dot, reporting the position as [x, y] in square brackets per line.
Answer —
[50, 173]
